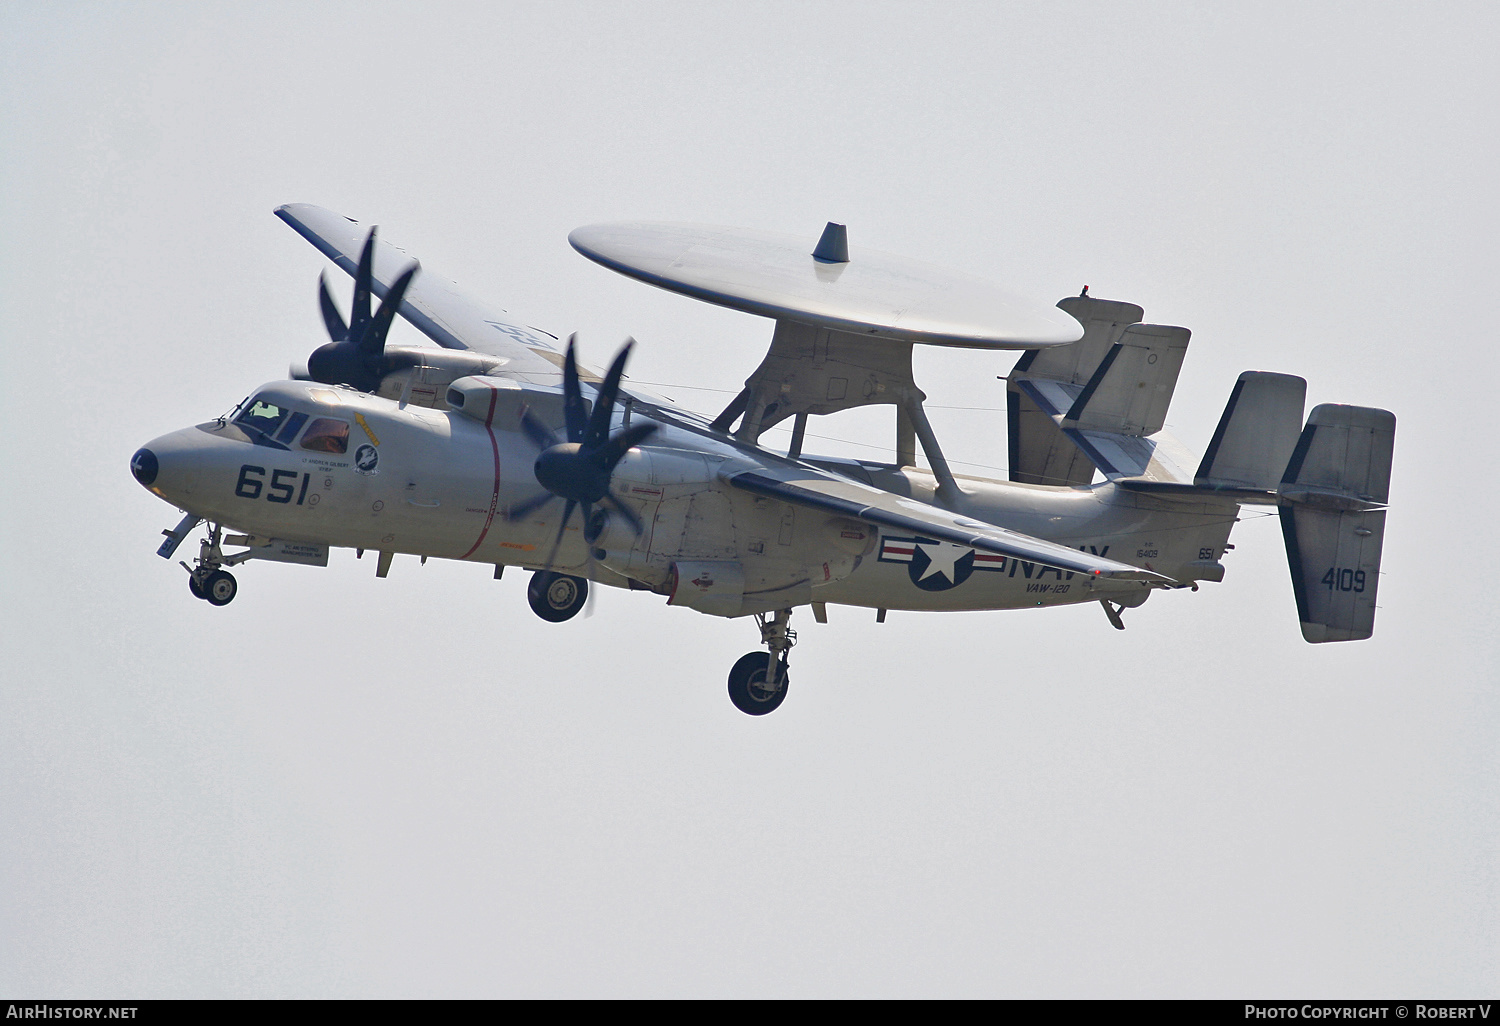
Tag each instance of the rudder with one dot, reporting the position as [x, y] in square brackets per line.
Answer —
[1333, 495]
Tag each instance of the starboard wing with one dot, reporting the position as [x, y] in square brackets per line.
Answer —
[804, 486]
[436, 307]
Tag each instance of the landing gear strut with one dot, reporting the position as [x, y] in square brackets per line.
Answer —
[208, 580]
[758, 681]
[556, 597]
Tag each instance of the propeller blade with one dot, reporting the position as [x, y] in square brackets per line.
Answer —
[626, 512]
[572, 394]
[337, 329]
[540, 434]
[588, 602]
[359, 314]
[604, 406]
[614, 450]
[522, 510]
[561, 527]
[373, 342]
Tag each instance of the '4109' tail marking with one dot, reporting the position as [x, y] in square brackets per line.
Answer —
[1343, 578]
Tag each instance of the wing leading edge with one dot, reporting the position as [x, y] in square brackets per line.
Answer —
[830, 494]
[435, 307]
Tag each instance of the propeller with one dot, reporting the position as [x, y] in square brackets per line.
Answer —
[357, 355]
[577, 469]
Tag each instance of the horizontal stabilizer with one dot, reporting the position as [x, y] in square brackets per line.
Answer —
[1257, 433]
[1332, 492]
[1044, 385]
[1159, 458]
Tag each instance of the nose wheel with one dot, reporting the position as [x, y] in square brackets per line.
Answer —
[218, 587]
[758, 681]
[208, 580]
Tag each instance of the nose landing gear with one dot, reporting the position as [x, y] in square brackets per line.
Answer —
[207, 580]
[758, 681]
[219, 588]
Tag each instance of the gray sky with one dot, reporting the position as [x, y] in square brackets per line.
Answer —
[348, 786]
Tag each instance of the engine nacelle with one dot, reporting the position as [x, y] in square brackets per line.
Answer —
[427, 373]
[499, 402]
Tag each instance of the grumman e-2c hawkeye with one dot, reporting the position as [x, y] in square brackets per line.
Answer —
[484, 448]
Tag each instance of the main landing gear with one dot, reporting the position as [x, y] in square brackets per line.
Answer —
[758, 681]
[208, 580]
[556, 597]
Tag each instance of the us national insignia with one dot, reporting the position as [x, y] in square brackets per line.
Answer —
[936, 565]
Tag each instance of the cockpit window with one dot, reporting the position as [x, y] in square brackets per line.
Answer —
[263, 416]
[291, 427]
[325, 434]
[262, 419]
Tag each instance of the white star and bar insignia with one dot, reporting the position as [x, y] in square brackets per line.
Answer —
[937, 565]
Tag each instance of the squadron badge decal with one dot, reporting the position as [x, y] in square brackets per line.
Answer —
[366, 459]
[935, 565]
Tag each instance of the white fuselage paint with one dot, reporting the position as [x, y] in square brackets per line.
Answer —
[442, 483]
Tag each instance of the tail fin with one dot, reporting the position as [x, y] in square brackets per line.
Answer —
[1333, 495]
[1256, 434]
[1045, 382]
[1097, 402]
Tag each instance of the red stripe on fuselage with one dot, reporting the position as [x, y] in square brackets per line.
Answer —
[489, 427]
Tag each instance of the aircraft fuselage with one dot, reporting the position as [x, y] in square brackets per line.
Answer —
[434, 482]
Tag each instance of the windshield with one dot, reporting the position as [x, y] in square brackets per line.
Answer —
[269, 424]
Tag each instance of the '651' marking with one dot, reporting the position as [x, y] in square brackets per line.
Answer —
[283, 484]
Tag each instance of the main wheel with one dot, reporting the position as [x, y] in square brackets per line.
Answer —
[747, 682]
[556, 597]
[220, 587]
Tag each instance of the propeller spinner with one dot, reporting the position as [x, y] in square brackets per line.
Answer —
[578, 469]
[357, 356]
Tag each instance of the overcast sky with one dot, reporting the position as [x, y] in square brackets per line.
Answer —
[343, 786]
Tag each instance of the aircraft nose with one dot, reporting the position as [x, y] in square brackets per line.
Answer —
[144, 465]
[168, 466]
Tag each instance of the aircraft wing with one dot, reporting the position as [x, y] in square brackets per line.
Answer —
[803, 486]
[435, 306]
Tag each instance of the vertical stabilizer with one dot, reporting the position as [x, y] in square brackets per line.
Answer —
[1046, 382]
[1332, 497]
[1257, 433]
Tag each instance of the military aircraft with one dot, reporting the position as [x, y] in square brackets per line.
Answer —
[495, 446]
